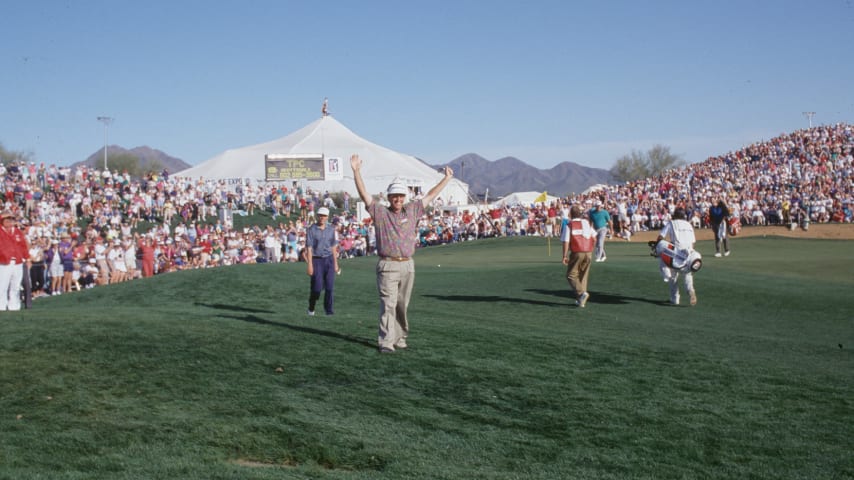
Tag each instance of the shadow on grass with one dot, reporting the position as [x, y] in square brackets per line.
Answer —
[303, 329]
[233, 308]
[492, 298]
[604, 298]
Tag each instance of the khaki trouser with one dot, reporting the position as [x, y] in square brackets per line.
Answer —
[394, 284]
[103, 271]
[577, 271]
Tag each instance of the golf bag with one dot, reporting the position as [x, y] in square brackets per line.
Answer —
[734, 225]
[682, 259]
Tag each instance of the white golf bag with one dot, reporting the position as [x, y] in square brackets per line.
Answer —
[682, 259]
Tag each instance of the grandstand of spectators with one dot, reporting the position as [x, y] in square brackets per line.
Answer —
[120, 228]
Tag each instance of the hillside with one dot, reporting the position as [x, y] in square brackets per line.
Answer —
[509, 174]
[149, 159]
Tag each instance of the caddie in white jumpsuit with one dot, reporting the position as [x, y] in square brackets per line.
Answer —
[679, 232]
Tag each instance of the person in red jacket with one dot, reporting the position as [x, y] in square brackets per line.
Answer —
[578, 239]
[146, 247]
[14, 252]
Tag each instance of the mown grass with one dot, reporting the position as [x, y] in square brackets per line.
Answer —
[219, 374]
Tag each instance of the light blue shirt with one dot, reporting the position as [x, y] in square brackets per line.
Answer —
[321, 241]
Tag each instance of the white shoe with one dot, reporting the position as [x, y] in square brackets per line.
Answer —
[582, 300]
[718, 254]
[603, 259]
[726, 254]
[310, 313]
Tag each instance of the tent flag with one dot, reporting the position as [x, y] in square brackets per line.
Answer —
[542, 197]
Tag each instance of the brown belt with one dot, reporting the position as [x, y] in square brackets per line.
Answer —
[396, 259]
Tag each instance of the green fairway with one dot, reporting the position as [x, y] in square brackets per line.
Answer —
[219, 374]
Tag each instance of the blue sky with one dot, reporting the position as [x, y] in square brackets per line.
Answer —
[544, 81]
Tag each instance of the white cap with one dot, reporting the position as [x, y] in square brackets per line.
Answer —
[323, 211]
[397, 188]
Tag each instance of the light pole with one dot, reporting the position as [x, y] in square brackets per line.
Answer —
[809, 115]
[106, 121]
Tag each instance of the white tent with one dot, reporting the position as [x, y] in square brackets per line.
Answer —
[594, 188]
[525, 199]
[330, 138]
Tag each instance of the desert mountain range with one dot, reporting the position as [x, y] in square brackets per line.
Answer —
[495, 177]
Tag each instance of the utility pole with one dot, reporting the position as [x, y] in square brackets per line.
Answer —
[809, 115]
[106, 121]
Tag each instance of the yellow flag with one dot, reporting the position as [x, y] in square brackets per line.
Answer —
[541, 197]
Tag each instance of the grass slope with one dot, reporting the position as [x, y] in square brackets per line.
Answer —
[219, 374]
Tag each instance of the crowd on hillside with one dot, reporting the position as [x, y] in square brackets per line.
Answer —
[161, 223]
[803, 176]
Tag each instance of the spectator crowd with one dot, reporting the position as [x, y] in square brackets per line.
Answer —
[87, 227]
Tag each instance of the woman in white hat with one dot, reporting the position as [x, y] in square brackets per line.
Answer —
[116, 257]
[54, 266]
